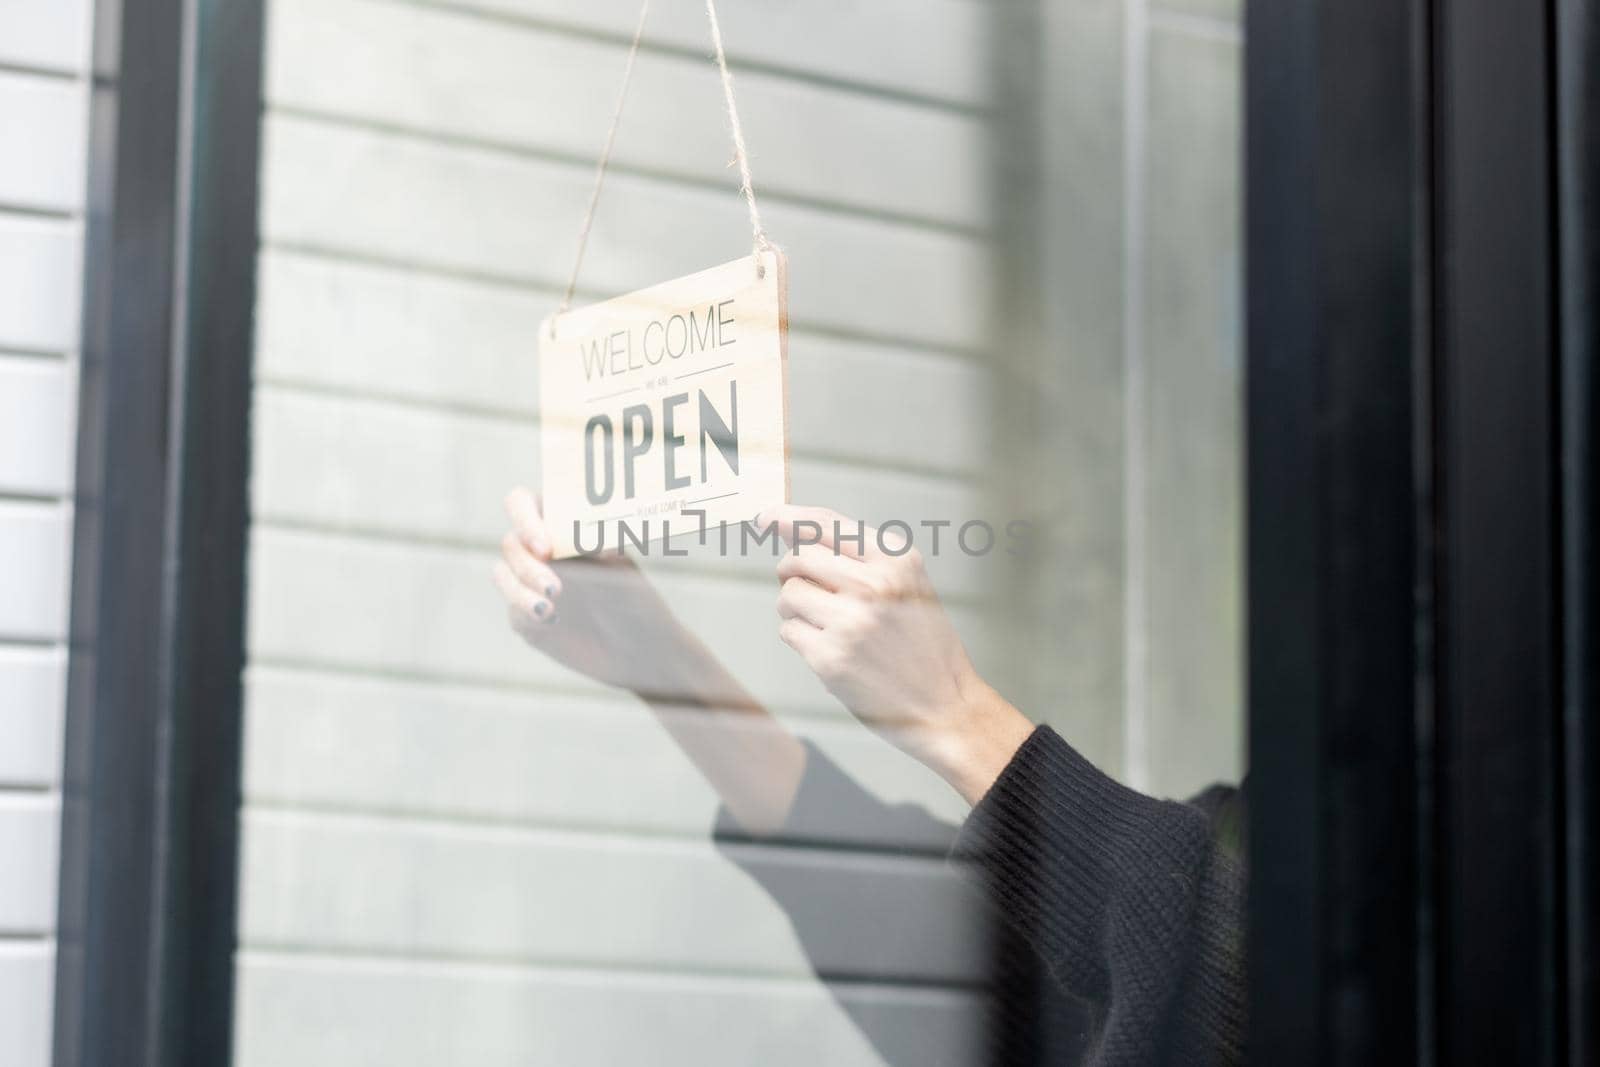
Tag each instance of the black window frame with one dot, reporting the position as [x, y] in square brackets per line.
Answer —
[149, 838]
[1421, 328]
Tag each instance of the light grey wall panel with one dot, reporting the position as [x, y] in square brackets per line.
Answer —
[455, 890]
[445, 834]
[49, 116]
[1066, 418]
[27, 996]
[38, 401]
[377, 467]
[45, 34]
[322, 1011]
[1195, 501]
[33, 683]
[40, 275]
[33, 581]
[44, 51]
[385, 332]
[1137, 380]
[398, 332]
[937, 48]
[324, 741]
[29, 835]
[358, 603]
[461, 76]
[453, 208]
[1206, 17]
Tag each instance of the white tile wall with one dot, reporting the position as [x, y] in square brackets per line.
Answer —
[50, 35]
[33, 586]
[48, 116]
[27, 992]
[32, 699]
[41, 268]
[44, 48]
[29, 831]
[38, 404]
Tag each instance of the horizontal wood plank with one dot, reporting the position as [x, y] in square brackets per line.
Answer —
[324, 741]
[50, 117]
[29, 837]
[399, 199]
[933, 48]
[457, 75]
[462, 891]
[320, 1011]
[38, 399]
[48, 34]
[33, 685]
[378, 467]
[360, 603]
[33, 570]
[377, 331]
[27, 999]
[40, 282]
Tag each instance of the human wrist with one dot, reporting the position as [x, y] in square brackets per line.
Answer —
[977, 741]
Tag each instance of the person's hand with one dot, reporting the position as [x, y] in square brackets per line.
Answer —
[869, 623]
[601, 617]
[596, 615]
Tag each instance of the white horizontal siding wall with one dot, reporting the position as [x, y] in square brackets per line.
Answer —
[44, 48]
[1189, 303]
[1139, 643]
[454, 851]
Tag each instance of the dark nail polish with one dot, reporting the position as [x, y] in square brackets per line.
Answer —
[540, 608]
[550, 591]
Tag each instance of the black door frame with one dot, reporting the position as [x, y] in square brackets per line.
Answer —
[151, 780]
[1332, 414]
[1421, 324]
[1577, 26]
[1496, 528]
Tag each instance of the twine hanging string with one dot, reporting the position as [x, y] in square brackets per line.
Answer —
[741, 156]
[605, 160]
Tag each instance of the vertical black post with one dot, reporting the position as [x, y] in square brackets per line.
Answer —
[1578, 131]
[112, 796]
[152, 778]
[213, 525]
[1332, 172]
[1500, 888]
[1422, 286]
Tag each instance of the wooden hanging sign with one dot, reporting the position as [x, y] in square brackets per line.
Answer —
[669, 400]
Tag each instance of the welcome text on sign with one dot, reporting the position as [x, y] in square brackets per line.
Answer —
[663, 339]
[669, 398]
[616, 354]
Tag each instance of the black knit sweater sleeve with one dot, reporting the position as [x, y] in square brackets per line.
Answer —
[1132, 903]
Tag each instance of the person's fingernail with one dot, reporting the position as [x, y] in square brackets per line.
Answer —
[552, 618]
[550, 591]
[541, 607]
